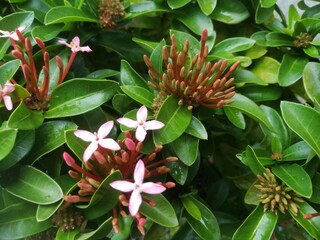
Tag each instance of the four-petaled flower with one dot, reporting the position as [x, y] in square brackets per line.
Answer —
[4, 94]
[137, 187]
[141, 125]
[75, 45]
[97, 139]
[12, 34]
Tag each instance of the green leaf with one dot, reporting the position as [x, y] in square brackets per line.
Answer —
[207, 7]
[49, 136]
[25, 119]
[235, 44]
[18, 221]
[312, 51]
[291, 69]
[194, 44]
[230, 12]
[249, 108]
[304, 121]
[173, 4]
[139, 94]
[7, 140]
[197, 129]
[236, 117]
[186, 148]
[246, 76]
[312, 225]
[22, 145]
[19, 93]
[311, 80]
[191, 207]
[130, 77]
[62, 14]
[258, 225]
[263, 14]
[83, 96]
[275, 39]
[69, 235]
[267, 69]
[295, 177]
[46, 33]
[144, 7]
[176, 119]
[261, 93]
[267, 3]
[156, 56]
[35, 186]
[75, 144]
[7, 70]
[121, 103]
[207, 226]
[298, 151]
[178, 171]
[162, 214]
[251, 160]
[102, 231]
[315, 198]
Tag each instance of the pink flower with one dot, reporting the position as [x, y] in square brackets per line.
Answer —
[12, 34]
[141, 124]
[137, 187]
[75, 45]
[4, 94]
[97, 139]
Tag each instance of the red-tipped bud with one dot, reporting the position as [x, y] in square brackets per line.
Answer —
[130, 144]
[170, 184]
[68, 159]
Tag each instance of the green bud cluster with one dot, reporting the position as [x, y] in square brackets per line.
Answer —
[67, 219]
[110, 11]
[275, 196]
[302, 40]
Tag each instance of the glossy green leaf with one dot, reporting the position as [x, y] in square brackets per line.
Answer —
[312, 51]
[178, 171]
[149, 46]
[7, 70]
[191, 207]
[176, 119]
[46, 33]
[207, 226]
[207, 7]
[62, 14]
[83, 96]
[249, 108]
[312, 226]
[139, 94]
[103, 73]
[263, 14]
[162, 214]
[7, 141]
[35, 186]
[22, 145]
[18, 221]
[261, 93]
[251, 160]
[194, 19]
[121, 103]
[260, 38]
[49, 136]
[230, 12]
[259, 225]
[275, 39]
[197, 129]
[311, 80]
[267, 69]
[236, 117]
[144, 7]
[303, 121]
[19, 93]
[295, 177]
[315, 198]
[70, 235]
[235, 44]
[102, 231]
[267, 3]
[130, 77]
[291, 69]
[246, 76]
[298, 151]
[156, 56]
[67, 184]
[25, 119]
[173, 4]
[76, 145]
[186, 148]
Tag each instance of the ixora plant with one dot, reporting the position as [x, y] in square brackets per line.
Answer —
[164, 119]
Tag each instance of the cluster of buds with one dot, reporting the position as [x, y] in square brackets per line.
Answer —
[277, 156]
[110, 11]
[40, 95]
[104, 155]
[67, 219]
[275, 196]
[199, 84]
[303, 40]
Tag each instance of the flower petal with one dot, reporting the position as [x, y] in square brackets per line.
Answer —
[105, 129]
[152, 188]
[135, 202]
[109, 143]
[76, 41]
[89, 151]
[141, 133]
[128, 122]
[85, 135]
[153, 125]
[85, 49]
[138, 174]
[122, 185]
[142, 114]
[64, 43]
[8, 88]
[8, 102]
